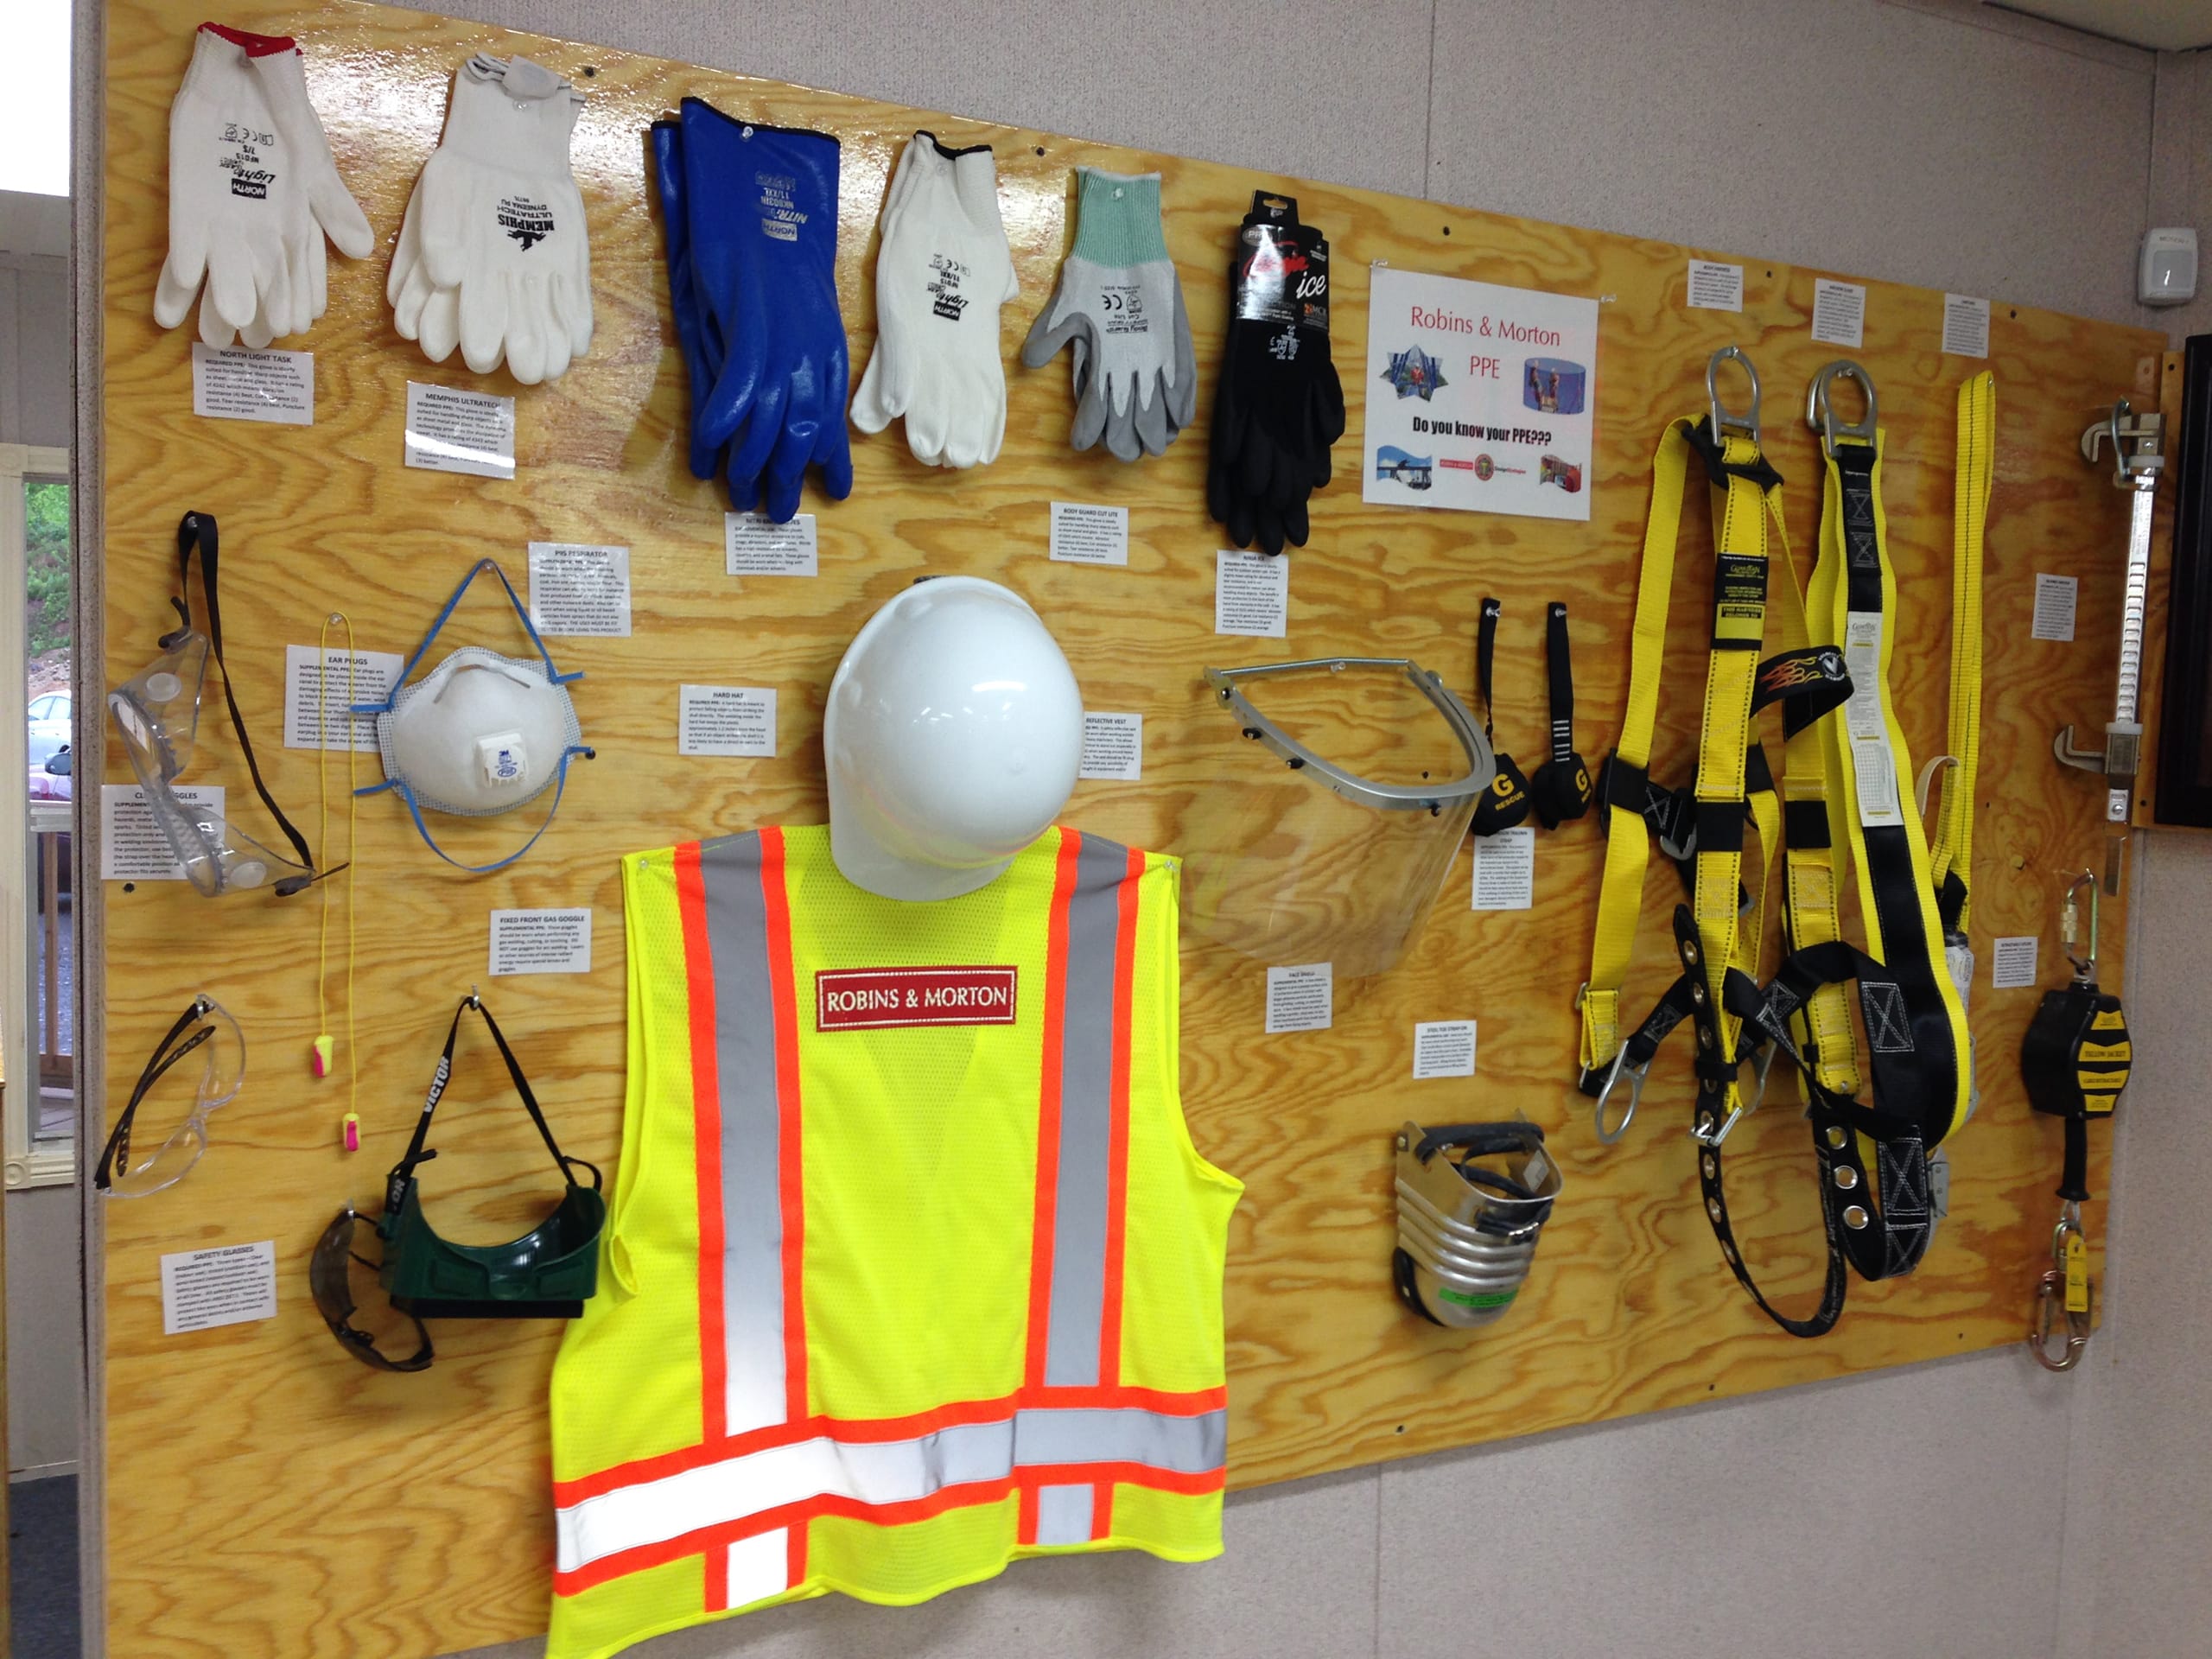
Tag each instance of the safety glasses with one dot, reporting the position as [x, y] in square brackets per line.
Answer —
[157, 715]
[157, 712]
[205, 1043]
[329, 1272]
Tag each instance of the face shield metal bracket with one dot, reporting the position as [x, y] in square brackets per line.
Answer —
[1229, 684]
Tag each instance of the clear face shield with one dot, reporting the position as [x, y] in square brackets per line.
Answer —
[1295, 856]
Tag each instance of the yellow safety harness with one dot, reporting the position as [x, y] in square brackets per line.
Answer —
[1702, 828]
[1918, 1058]
[1918, 1094]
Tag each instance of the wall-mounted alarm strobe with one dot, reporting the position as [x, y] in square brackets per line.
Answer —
[2167, 274]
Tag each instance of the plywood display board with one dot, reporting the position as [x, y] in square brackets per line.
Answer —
[267, 1494]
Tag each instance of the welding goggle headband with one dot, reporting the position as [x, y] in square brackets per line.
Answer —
[1560, 787]
[548, 1273]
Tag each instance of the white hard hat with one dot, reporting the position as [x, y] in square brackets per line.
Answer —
[952, 736]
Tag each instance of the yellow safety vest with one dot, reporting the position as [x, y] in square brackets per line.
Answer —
[912, 1268]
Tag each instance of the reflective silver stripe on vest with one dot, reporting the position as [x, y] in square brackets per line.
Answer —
[1078, 1298]
[745, 1063]
[885, 1472]
[1064, 1514]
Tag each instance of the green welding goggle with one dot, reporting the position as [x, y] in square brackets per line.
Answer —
[548, 1273]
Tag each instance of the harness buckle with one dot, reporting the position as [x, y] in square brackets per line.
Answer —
[1723, 421]
[1713, 1137]
[1635, 1076]
[1819, 406]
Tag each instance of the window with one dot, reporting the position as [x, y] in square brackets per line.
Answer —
[37, 1024]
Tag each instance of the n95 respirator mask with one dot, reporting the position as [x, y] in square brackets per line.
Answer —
[480, 733]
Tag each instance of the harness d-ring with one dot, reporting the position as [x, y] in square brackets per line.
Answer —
[1820, 408]
[1723, 421]
[1636, 1077]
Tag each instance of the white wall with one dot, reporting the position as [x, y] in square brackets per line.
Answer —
[1920, 1511]
[46, 1349]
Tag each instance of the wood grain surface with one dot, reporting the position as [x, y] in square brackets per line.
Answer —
[270, 1496]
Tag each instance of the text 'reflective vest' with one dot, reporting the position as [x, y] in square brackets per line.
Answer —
[912, 1268]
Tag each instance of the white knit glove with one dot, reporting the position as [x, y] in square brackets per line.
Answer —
[253, 190]
[493, 255]
[942, 272]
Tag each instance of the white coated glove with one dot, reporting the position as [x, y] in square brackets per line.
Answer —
[494, 254]
[253, 190]
[942, 272]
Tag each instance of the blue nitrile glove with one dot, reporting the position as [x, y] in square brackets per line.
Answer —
[762, 207]
[701, 349]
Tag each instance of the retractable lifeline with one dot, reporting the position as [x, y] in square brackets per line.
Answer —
[2076, 1059]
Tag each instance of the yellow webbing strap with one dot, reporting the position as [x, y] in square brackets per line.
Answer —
[1741, 517]
[1620, 900]
[1853, 603]
[1953, 853]
[1812, 891]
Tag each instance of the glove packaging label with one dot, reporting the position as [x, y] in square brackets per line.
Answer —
[1083, 534]
[1282, 276]
[1479, 397]
[233, 384]
[754, 545]
[449, 430]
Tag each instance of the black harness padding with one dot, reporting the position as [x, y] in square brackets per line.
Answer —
[1560, 787]
[1710, 450]
[1908, 1028]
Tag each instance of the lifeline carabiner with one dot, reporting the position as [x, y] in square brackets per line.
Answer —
[2064, 1287]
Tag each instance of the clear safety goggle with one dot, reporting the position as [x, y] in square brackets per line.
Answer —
[157, 712]
[206, 1043]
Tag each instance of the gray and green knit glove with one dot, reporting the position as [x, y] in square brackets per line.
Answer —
[1120, 302]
